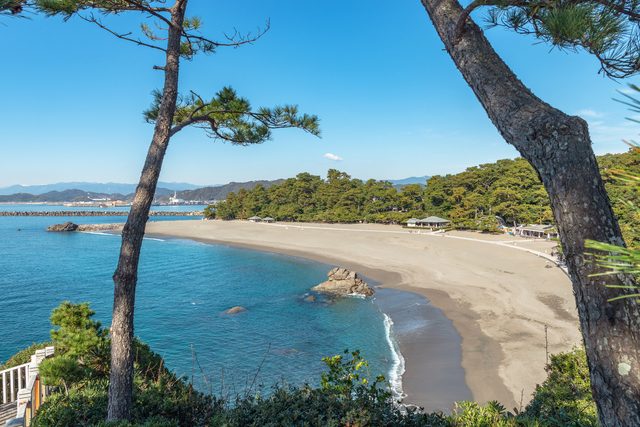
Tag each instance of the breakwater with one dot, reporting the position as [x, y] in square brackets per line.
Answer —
[97, 213]
[99, 227]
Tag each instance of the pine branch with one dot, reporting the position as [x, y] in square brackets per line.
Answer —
[463, 17]
[241, 39]
[91, 18]
[608, 29]
[230, 118]
[153, 11]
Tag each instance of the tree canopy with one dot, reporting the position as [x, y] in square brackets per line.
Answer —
[508, 188]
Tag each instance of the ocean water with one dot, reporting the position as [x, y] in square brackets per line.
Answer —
[183, 290]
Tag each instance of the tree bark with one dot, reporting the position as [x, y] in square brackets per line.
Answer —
[126, 274]
[559, 148]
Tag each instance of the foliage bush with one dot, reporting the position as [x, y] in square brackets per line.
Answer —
[160, 399]
[62, 371]
[24, 356]
[347, 397]
[565, 397]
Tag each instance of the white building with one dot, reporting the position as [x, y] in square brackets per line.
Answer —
[174, 200]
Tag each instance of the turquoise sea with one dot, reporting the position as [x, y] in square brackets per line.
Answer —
[183, 289]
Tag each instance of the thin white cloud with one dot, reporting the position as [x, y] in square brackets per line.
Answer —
[333, 157]
[628, 91]
[592, 114]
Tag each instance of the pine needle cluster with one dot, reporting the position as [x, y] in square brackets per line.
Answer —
[607, 29]
[229, 117]
[77, 332]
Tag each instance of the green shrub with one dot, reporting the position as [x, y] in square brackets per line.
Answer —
[164, 404]
[319, 407]
[470, 414]
[564, 398]
[150, 422]
[344, 376]
[24, 356]
[347, 397]
[159, 397]
[62, 371]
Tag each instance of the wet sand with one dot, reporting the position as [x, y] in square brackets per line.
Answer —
[496, 290]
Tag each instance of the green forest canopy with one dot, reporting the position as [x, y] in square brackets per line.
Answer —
[510, 189]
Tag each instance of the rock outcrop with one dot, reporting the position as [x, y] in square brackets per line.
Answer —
[344, 282]
[67, 226]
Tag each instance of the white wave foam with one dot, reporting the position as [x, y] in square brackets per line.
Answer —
[397, 361]
[356, 295]
[110, 233]
[101, 233]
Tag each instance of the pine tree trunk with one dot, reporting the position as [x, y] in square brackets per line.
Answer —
[126, 274]
[559, 148]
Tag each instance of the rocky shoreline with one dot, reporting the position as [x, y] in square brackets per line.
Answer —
[97, 213]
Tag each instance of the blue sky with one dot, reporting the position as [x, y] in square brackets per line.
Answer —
[390, 100]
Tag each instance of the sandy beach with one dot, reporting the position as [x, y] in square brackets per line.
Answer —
[497, 290]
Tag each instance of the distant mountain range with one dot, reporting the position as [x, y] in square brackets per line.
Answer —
[83, 191]
[412, 180]
[218, 192]
[94, 187]
[62, 196]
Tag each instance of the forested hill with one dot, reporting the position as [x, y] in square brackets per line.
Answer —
[507, 188]
[220, 192]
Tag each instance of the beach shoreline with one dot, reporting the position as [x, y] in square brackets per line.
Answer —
[499, 314]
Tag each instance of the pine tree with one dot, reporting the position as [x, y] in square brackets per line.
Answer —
[558, 147]
[226, 116]
[77, 332]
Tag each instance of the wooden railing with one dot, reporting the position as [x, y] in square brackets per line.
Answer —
[30, 393]
[13, 379]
